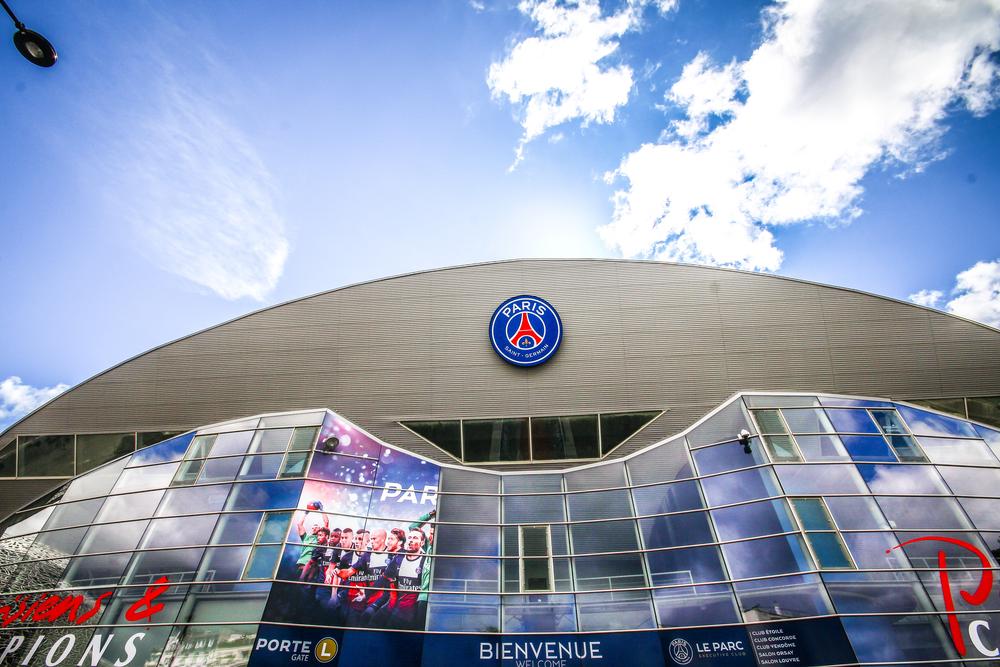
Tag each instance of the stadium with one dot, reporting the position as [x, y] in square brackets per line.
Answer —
[537, 463]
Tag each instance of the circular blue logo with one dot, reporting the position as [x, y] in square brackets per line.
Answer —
[525, 330]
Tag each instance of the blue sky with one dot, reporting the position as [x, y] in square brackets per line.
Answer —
[188, 162]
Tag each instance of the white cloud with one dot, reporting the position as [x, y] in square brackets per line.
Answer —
[836, 88]
[18, 399]
[927, 297]
[976, 294]
[562, 74]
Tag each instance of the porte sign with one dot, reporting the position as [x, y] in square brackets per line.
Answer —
[525, 330]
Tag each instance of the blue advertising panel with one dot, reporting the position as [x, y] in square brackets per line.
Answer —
[807, 643]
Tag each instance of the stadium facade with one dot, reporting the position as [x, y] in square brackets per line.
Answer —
[629, 463]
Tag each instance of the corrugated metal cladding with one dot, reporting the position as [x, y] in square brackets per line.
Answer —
[638, 335]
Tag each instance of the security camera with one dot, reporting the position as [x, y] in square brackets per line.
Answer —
[744, 437]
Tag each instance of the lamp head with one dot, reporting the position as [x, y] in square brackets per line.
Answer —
[35, 48]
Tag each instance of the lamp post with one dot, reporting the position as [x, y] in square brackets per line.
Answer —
[35, 48]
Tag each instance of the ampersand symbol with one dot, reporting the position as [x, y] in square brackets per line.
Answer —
[144, 607]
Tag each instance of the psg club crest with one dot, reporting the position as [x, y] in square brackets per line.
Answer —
[525, 330]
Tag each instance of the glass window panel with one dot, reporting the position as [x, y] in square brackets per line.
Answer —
[533, 509]
[78, 513]
[985, 514]
[103, 570]
[616, 428]
[906, 448]
[469, 509]
[270, 441]
[275, 527]
[812, 514]
[188, 472]
[223, 564]
[695, 605]
[264, 495]
[819, 479]
[807, 420]
[889, 422]
[868, 448]
[262, 562]
[539, 613]
[8, 459]
[594, 573]
[93, 450]
[495, 439]
[294, 465]
[829, 551]
[599, 505]
[162, 452]
[297, 419]
[13, 550]
[604, 536]
[769, 421]
[303, 438]
[564, 437]
[535, 575]
[260, 467]
[622, 610]
[954, 406]
[463, 613]
[145, 478]
[991, 437]
[851, 421]
[772, 401]
[984, 409]
[685, 566]
[675, 530]
[466, 575]
[904, 479]
[194, 499]
[670, 461]
[770, 555]
[244, 603]
[898, 638]
[927, 513]
[514, 484]
[873, 592]
[723, 425]
[467, 540]
[209, 645]
[596, 478]
[728, 456]
[113, 537]
[24, 523]
[176, 565]
[822, 448]
[766, 518]
[45, 456]
[846, 402]
[956, 451]
[56, 543]
[220, 470]
[925, 554]
[675, 497]
[179, 531]
[130, 506]
[922, 422]
[972, 481]
[200, 447]
[95, 483]
[231, 444]
[782, 598]
[238, 528]
[781, 448]
[39, 575]
[735, 487]
[150, 438]
[875, 550]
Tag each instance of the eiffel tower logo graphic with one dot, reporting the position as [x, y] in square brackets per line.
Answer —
[525, 336]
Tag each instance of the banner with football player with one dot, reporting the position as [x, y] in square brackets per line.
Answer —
[357, 550]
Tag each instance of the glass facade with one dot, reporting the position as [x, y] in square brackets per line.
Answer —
[843, 531]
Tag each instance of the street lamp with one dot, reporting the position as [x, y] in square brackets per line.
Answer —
[32, 46]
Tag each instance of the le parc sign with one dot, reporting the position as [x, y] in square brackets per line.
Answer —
[69, 609]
